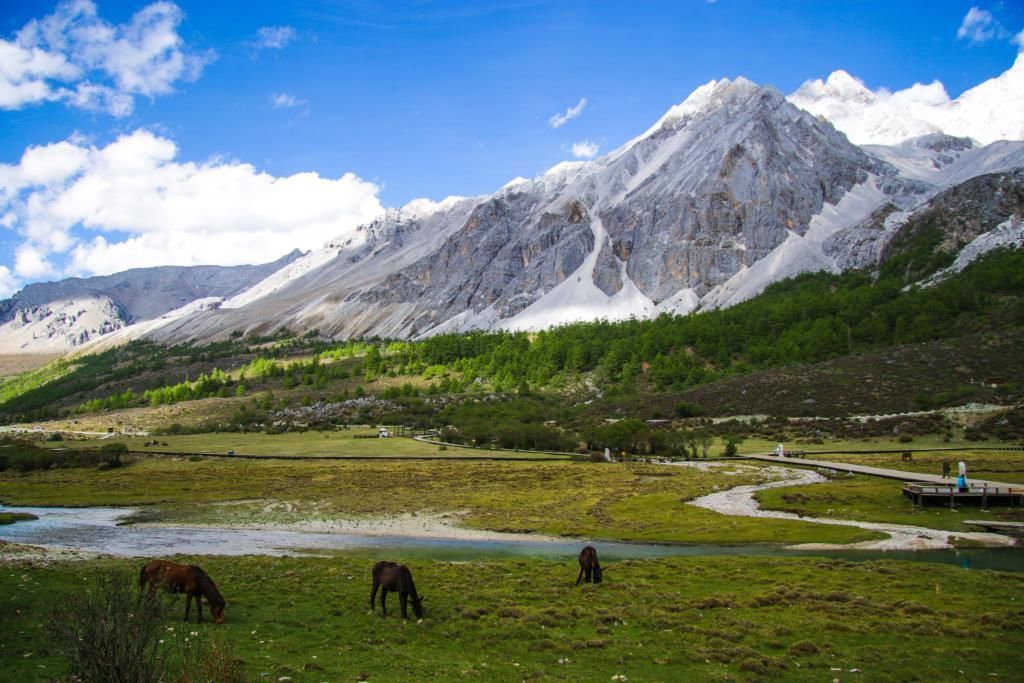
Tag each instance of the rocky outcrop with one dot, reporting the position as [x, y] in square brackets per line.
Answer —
[146, 293]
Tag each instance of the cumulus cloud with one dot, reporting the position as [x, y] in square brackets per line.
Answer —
[1018, 40]
[99, 210]
[8, 283]
[979, 26]
[559, 120]
[274, 37]
[584, 149]
[285, 101]
[75, 56]
[30, 262]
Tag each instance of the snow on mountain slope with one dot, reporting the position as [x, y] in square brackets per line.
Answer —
[991, 111]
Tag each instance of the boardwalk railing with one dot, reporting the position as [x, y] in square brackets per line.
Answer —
[923, 493]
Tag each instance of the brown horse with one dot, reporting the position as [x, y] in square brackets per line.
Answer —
[391, 576]
[190, 580]
[589, 565]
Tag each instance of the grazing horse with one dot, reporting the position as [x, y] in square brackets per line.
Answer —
[190, 580]
[391, 576]
[589, 565]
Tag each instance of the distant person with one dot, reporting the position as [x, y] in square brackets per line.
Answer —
[945, 469]
[962, 468]
[780, 450]
[961, 483]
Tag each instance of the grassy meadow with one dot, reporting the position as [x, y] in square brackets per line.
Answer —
[612, 501]
[305, 444]
[710, 619]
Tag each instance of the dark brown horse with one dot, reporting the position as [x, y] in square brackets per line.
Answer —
[190, 580]
[589, 565]
[391, 576]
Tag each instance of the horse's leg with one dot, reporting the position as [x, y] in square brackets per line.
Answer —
[373, 593]
[580, 576]
[188, 604]
[403, 597]
[199, 606]
[383, 602]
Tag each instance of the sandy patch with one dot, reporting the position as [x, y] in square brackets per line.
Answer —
[740, 502]
[442, 525]
[15, 553]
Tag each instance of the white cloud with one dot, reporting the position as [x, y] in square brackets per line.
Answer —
[30, 262]
[559, 120]
[149, 209]
[585, 149]
[1018, 40]
[274, 37]
[75, 56]
[979, 26]
[285, 101]
[8, 283]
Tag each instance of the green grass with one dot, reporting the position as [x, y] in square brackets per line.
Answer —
[12, 517]
[872, 499]
[624, 502]
[707, 619]
[310, 443]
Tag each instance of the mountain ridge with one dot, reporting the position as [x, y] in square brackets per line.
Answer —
[732, 189]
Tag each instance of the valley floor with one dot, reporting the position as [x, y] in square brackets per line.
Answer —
[683, 618]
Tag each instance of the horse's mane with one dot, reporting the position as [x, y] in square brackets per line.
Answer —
[407, 575]
[208, 587]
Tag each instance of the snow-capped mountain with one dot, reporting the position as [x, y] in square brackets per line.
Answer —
[733, 189]
[989, 112]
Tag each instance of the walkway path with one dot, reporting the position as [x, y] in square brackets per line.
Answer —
[875, 471]
[740, 502]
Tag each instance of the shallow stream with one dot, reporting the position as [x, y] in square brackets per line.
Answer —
[97, 530]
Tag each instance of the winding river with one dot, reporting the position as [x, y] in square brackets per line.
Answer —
[97, 530]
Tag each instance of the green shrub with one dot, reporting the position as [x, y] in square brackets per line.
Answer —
[107, 633]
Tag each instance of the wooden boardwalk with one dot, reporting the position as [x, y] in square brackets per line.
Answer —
[876, 471]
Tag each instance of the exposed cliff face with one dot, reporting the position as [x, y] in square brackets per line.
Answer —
[739, 175]
[959, 216]
[60, 326]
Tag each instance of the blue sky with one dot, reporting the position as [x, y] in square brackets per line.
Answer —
[414, 99]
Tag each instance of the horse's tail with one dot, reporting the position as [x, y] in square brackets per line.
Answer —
[142, 576]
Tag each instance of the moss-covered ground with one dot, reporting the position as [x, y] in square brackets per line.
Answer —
[611, 501]
[709, 619]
